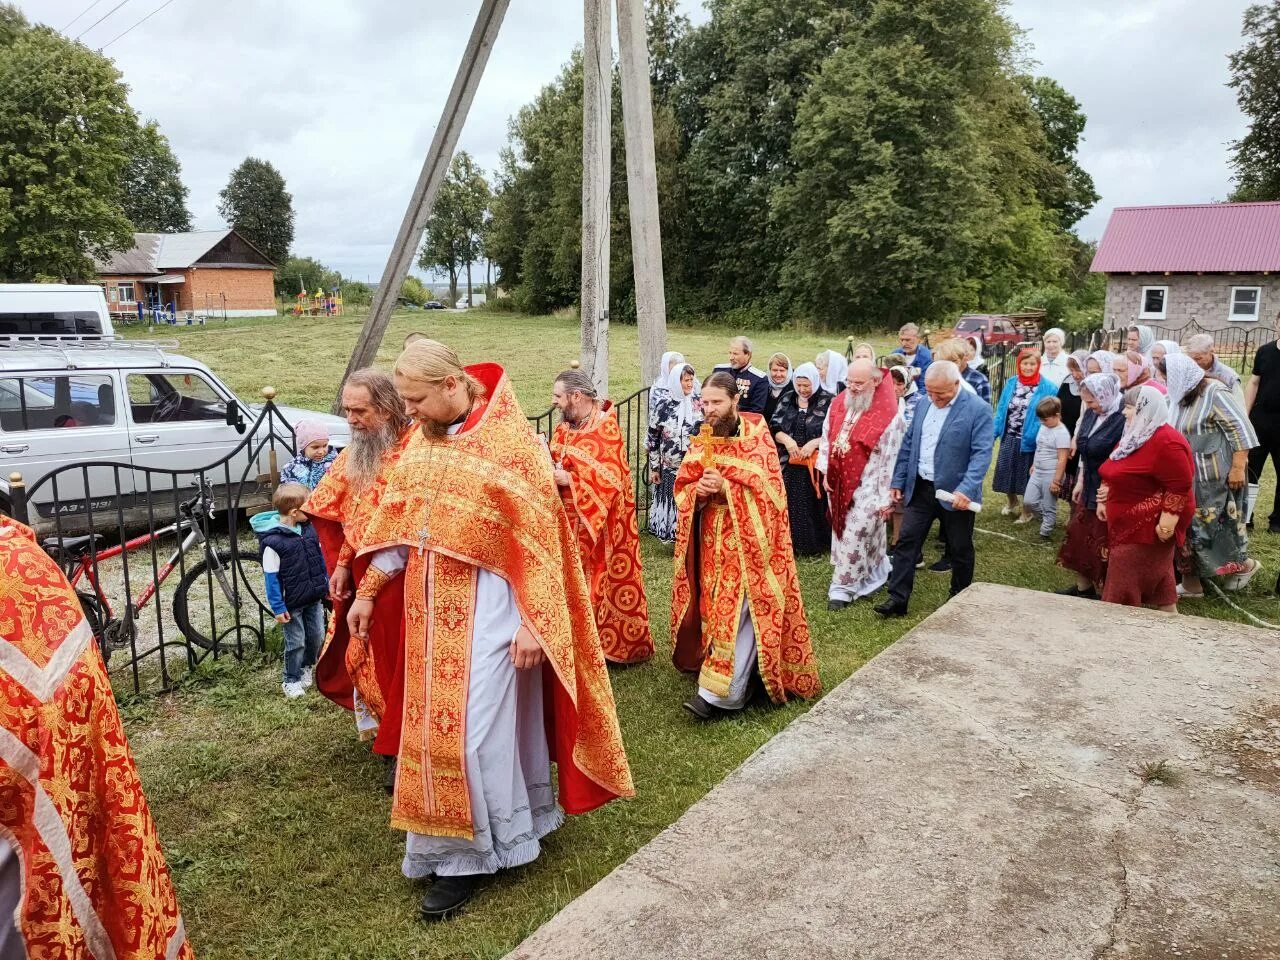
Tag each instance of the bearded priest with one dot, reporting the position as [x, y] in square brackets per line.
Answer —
[363, 675]
[497, 618]
[736, 610]
[81, 869]
[594, 480]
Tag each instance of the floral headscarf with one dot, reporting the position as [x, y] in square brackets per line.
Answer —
[1105, 359]
[1150, 413]
[1079, 358]
[1146, 339]
[1105, 388]
[1182, 375]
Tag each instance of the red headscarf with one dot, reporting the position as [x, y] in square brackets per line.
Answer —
[1034, 379]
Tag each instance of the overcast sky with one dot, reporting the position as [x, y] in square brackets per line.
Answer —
[343, 95]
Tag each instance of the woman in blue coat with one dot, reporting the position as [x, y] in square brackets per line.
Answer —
[1017, 427]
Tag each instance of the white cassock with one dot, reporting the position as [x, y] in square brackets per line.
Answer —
[513, 804]
[861, 556]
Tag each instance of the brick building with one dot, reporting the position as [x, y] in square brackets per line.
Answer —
[1217, 265]
[208, 272]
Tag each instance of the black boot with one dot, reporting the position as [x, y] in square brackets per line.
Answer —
[389, 776]
[448, 895]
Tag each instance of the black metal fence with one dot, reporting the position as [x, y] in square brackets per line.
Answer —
[165, 564]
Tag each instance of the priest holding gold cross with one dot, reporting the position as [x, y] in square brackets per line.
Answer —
[736, 610]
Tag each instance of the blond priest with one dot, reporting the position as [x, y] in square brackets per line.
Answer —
[594, 479]
[81, 869]
[497, 618]
[736, 611]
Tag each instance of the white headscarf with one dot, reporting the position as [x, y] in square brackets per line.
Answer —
[1055, 331]
[777, 388]
[1170, 346]
[1106, 360]
[1105, 388]
[837, 367]
[1150, 414]
[664, 369]
[1146, 337]
[810, 372]
[684, 401]
[977, 361]
[1182, 375]
[1081, 357]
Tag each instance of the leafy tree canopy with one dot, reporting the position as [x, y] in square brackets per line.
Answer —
[256, 203]
[1255, 77]
[153, 194]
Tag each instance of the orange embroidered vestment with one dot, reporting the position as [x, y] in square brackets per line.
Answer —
[600, 499]
[94, 882]
[485, 498]
[738, 544]
[374, 667]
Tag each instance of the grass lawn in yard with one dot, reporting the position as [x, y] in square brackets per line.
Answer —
[273, 815]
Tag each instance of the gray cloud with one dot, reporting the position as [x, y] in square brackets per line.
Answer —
[344, 95]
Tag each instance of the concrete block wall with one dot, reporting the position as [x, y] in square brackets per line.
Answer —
[1205, 298]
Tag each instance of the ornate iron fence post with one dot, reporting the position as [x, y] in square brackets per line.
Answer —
[18, 498]
[273, 463]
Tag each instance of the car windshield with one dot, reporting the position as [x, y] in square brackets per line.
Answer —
[971, 323]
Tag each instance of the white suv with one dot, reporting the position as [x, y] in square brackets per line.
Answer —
[108, 405]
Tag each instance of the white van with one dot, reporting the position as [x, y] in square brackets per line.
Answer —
[53, 309]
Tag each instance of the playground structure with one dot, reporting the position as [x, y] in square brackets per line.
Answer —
[319, 304]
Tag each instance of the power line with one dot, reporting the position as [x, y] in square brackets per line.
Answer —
[136, 25]
[101, 18]
[81, 14]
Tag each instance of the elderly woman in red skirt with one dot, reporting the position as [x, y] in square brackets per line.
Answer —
[1147, 499]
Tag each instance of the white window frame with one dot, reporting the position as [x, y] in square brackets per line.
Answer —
[1144, 314]
[132, 290]
[1233, 317]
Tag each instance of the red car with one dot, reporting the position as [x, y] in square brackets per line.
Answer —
[993, 329]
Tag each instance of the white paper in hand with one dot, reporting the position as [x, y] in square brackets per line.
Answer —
[946, 496]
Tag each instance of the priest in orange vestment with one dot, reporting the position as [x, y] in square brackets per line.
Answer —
[367, 675]
[736, 610]
[594, 479]
[81, 869]
[503, 667]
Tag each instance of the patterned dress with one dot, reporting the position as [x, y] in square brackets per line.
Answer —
[666, 443]
[1013, 467]
[1216, 426]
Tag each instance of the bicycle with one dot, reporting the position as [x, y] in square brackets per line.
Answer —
[230, 569]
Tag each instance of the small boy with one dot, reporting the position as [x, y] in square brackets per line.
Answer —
[1053, 447]
[314, 458]
[297, 582]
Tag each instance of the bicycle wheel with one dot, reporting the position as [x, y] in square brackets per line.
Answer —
[97, 620]
[214, 606]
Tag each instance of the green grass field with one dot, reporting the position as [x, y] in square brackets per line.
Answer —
[272, 814]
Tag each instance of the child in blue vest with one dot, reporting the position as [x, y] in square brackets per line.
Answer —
[297, 582]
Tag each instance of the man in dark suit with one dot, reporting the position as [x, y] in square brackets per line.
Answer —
[753, 384]
[948, 449]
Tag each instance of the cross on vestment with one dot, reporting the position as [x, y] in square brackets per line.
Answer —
[707, 443]
[423, 536]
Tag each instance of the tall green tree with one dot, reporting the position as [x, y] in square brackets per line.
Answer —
[1255, 77]
[153, 195]
[666, 28]
[66, 132]
[453, 241]
[1072, 192]
[256, 203]
[304, 275]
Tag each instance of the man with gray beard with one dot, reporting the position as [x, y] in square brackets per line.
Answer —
[859, 447]
[362, 675]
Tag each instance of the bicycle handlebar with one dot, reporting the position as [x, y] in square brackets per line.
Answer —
[201, 505]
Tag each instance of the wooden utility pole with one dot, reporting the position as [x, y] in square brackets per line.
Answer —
[474, 59]
[642, 187]
[597, 116]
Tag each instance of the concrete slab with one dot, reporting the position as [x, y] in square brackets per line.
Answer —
[990, 786]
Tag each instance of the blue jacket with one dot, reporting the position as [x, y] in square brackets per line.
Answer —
[1031, 426]
[302, 469]
[303, 578]
[963, 454]
[753, 388]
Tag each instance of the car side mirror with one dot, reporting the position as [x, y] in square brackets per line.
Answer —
[235, 417]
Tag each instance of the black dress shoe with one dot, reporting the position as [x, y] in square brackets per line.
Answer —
[837, 604]
[1273, 528]
[1090, 594]
[448, 895]
[703, 710]
[942, 566]
[890, 610]
[389, 776]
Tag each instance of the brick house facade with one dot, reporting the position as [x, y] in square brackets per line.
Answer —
[203, 273]
[1215, 265]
